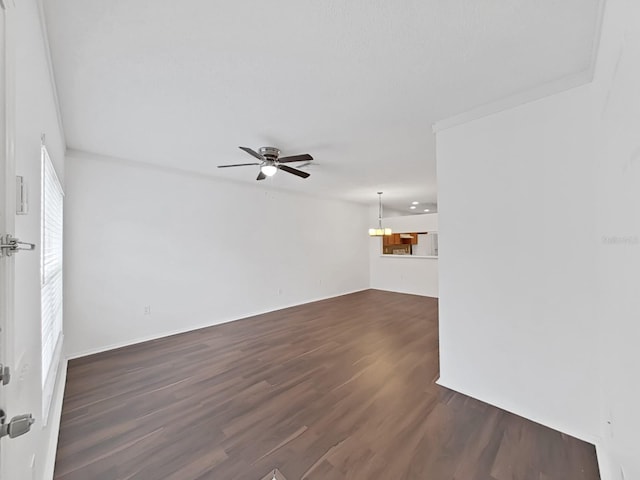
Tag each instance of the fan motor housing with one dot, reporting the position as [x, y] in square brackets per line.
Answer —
[271, 153]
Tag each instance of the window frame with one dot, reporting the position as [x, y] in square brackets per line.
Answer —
[51, 278]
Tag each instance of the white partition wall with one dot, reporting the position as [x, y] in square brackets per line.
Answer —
[517, 312]
[539, 211]
[404, 274]
[617, 239]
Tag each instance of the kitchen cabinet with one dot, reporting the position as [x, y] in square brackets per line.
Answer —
[418, 244]
[393, 239]
[409, 238]
[400, 239]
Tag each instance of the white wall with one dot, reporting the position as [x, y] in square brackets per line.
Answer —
[197, 250]
[617, 116]
[516, 203]
[545, 321]
[404, 274]
[426, 222]
[35, 114]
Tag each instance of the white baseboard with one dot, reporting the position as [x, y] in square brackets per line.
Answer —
[407, 292]
[155, 336]
[566, 429]
[54, 421]
[604, 464]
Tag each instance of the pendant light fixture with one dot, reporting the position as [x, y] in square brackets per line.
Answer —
[379, 231]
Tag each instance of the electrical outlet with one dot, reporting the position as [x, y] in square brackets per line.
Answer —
[610, 424]
[147, 309]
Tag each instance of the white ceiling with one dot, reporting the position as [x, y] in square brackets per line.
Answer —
[356, 83]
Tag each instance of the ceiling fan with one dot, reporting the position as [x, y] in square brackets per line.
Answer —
[271, 162]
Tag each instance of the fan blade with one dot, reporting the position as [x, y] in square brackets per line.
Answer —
[299, 173]
[252, 152]
[261, 176]
[296, 158]
[238, 165]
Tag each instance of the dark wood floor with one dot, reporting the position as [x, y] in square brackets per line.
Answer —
[338, 389]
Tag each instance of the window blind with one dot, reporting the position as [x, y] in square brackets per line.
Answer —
[51, 274]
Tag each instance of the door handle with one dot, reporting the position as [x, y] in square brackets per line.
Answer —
[18, 425]
[9, 244]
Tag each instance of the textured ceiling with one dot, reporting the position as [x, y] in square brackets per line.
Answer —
[356, 83]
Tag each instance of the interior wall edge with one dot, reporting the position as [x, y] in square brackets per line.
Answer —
[605, 463]
[52, 78]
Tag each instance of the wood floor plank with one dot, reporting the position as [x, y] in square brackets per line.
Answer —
[337, 389]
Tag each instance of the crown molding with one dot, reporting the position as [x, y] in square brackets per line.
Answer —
[507, 103]
[545, 90]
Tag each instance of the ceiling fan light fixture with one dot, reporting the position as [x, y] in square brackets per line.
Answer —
[271, 162]
[269, 169]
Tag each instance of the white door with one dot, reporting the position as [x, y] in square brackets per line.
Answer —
[8, 394]
[6, 263]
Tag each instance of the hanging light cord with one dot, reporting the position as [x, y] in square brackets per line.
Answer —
[378, 232]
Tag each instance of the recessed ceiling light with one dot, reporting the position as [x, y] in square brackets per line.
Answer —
[414, 203]
[412, 207]
[426, 209]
